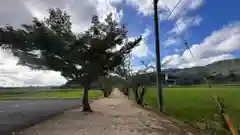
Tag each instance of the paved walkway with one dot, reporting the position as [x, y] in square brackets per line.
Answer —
[112, 116]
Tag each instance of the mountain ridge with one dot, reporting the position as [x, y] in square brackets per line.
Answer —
[219, 66]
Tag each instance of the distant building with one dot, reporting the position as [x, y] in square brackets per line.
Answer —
[172, 80]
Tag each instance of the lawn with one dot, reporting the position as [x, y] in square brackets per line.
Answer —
[191, 104]
[59, 94]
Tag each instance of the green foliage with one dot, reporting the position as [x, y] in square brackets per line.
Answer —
[81, 57]
[51, 45]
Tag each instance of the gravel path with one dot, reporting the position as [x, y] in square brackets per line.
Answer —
[113, 116]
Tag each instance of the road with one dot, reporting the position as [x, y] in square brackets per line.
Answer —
[18, 114]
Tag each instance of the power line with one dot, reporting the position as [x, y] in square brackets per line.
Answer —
[185, 42]
[170, 13]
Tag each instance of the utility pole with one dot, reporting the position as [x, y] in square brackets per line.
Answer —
[158, 63]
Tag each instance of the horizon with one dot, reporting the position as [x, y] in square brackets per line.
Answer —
[212, 32]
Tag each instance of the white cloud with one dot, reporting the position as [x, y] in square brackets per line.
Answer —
[81, 12]
[104, 7]
[143, 68]
[183, 24]
[12, 74]
[177, 61]
[197, 20]
[142, 50]
[177, 50]
[143, 6]
[146, 33]
[146, 6]
[14, 17]
[171, 41]
[182, 9]
[182, 21]
[181, 27]
[218, 46]
[225, 40]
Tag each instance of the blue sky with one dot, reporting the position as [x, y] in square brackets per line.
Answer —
[211, 27]
[214, 16]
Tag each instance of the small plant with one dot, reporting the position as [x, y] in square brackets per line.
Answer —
[211, 127]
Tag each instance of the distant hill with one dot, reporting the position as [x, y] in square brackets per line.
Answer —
[225, 66]
[222, 67]
[226, 71]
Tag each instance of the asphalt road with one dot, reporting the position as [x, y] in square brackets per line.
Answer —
[16, 115]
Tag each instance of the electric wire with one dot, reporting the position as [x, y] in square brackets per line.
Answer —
[170, 13]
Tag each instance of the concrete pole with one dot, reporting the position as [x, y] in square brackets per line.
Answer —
[158, 62]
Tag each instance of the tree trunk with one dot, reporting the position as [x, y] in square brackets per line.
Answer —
[128, 93]
[135, 90]
[125, 91]
[141, 96]
[86, 106]
[105, 93]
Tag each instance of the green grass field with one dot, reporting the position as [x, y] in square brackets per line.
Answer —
[61, 94]
[191, 104]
